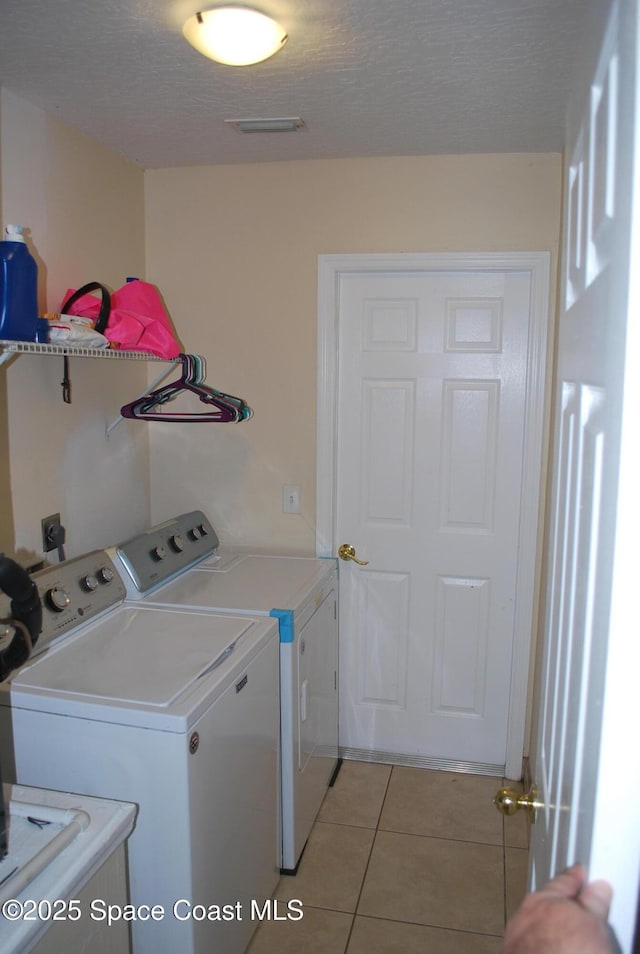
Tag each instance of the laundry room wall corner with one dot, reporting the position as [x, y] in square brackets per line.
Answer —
[83, 207]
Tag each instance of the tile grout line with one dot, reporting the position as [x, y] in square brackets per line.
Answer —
[364, 875]
[432, 927]
[384, 798]
[462, 841]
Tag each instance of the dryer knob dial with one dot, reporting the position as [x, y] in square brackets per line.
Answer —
[58, 599]
[177, 542]
[105, 575]
[194, 533]
[159, 552]
[89, 583]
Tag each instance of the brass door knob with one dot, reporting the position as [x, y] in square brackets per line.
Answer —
[508, 801]
[348, 552]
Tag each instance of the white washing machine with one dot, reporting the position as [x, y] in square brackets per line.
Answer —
[176, 710]
[302, 593]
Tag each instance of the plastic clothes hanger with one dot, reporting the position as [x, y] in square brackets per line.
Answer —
[227, 407]
[223, 408]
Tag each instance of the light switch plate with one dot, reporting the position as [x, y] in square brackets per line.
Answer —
[291, 498]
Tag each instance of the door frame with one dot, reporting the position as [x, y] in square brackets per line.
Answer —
[537, 408]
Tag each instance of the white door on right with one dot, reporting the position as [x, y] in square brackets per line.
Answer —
[585, 760]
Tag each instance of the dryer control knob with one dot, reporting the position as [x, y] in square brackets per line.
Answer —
[89, 583]
[177, 542]
[159, 552]
[105, 575]
[58, 599]
[194, 533]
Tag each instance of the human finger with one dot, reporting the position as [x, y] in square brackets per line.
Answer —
[596, 898]
[567, 884]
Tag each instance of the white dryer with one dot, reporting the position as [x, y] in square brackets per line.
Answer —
[176, 710]
[302, 593]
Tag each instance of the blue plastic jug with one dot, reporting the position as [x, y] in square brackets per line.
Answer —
[18, 288]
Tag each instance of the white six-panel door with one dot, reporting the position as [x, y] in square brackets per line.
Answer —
[584, 760]
[433, 464]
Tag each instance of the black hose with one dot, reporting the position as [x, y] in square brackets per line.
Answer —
[26, 608]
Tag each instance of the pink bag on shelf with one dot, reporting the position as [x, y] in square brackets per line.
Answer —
[133, 318]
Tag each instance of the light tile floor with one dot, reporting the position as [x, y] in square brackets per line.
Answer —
[403, 860]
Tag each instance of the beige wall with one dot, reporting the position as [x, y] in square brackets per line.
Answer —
[84, 207]
[234, 250]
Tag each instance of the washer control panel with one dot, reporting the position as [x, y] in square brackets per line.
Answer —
[162, 552]
[72, 593]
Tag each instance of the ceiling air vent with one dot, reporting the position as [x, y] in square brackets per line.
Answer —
[279, 124]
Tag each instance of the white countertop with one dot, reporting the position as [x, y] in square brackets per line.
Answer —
[97, 827]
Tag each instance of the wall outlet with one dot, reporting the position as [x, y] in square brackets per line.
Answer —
[50, 532]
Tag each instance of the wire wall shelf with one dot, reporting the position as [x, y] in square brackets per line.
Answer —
[10, 348]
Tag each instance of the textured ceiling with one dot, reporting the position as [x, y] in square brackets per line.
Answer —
[369, 77]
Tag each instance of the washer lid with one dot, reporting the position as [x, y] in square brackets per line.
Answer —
[250, 583]
[140, 655]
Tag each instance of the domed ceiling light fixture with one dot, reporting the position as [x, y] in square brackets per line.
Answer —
[236, 36]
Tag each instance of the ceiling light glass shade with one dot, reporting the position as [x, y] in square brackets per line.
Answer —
[236, 36]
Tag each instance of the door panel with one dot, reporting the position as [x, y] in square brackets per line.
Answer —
[462, 646]
[574, 669]
[470, 433]
[382, 607]
[388, 416]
